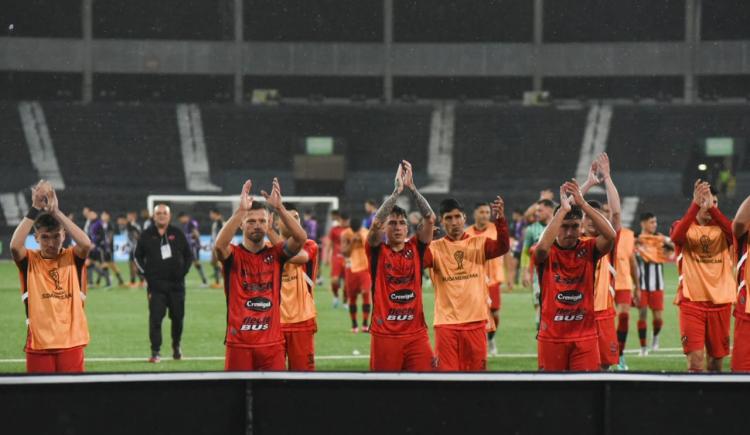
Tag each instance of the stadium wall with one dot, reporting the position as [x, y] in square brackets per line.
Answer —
[286, 403]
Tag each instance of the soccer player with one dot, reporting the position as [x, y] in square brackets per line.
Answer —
[495, 275]
[53, 285]
[706, 289]
[566, 265]
[357, 274]
[399, 331]
[610, 345]
[371, 208]
[217, 222]
[333, 254]
[456, 263]
[252, 281]
[653, 251]
[542, 212]
[741, 348]
[297, 304]
[104, 234]
[192, 233]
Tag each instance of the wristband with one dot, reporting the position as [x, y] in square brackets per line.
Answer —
[33, 213]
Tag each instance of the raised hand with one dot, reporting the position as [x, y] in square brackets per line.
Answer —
[274, 198]
[593, 179]
[246, 200]
[53, 206]
[39, 195]
[398, 182]
[498, 207]
[565, 205]
[407, 175]
[602, 161]
[699, 189]
[706, 200]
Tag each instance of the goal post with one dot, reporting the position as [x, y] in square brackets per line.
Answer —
[198, 206]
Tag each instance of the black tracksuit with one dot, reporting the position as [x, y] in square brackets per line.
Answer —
[165, 279]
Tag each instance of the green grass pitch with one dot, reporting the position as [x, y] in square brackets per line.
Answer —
[118, 322]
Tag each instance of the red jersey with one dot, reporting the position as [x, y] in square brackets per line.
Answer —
[335, 239]
[740, 308]
[252, 284]
[566, 279]
[397, 288]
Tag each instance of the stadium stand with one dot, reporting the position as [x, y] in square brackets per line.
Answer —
[16, 170]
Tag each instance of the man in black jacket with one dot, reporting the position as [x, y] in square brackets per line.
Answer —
[163, 256]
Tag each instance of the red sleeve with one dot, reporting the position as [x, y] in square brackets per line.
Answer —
[496, 248]
[723, 222]
[427, 258]
[680, 228]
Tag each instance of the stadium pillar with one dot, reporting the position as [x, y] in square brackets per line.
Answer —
[692, 40]
[88, 74]
[387, 49]
[239, 22]
[538, 36]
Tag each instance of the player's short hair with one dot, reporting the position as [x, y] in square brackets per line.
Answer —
[121, 216]
[47, 222]
[481, 204]
[448, 205]
[398, 211]
[355, 223]
[594, 204]
[344, 215]
[290, 207]
[546, 202]
[646, 216]
[371, 202]
[181, 214]
[713, 190]
[575, 212]
[257, 205]
[335, 212]
[214, 211]
[518, 211]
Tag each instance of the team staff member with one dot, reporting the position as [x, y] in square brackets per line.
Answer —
[456, 264]
[297, 303]
[566, 264]
[707, 286]
[163, 257]
[399, 331]
[53, 285]
[252, 281]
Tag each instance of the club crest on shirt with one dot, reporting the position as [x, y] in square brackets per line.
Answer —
[582, 252]
[408, 253]
[268, 259]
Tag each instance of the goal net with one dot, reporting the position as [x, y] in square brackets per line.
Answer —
[199, 206]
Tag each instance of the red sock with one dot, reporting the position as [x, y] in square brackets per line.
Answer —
[622, 330]
[657, 326]
[642, 332]
[335, 288]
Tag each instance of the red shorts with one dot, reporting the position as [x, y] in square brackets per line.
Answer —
[461, 349]
[623, 297]
[651, 299]
[262, 358]
[609, 354]
[55, 361]
[495, 297]
[338, 264]
[700, 328]
[357, 281]
[741, 348]
[300, 350]
[575, 356]
[411, 353]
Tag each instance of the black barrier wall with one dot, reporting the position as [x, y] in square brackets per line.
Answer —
[363, 404]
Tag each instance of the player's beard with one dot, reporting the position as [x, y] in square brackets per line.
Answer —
[256, 236]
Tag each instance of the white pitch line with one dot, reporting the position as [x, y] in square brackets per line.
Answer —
[660, 354]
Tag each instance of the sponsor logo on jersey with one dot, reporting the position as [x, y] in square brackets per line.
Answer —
[404, 296]
[256, 324]
[399, 280]
[563, 315]
[257, 286]
[258, 304]
[400, 315]
[569, 297]
[569, 281]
